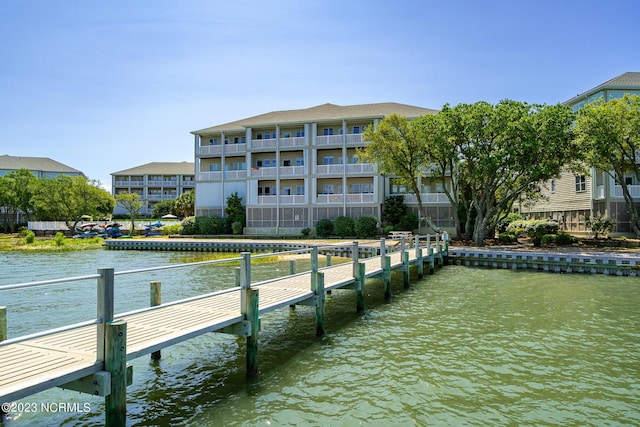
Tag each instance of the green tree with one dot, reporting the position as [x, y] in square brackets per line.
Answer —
[69, 198]
[16, 190]
[394, 209]
[184, 204]
[610, 131]
[397, 145]
[499, 153]
[234, 211]
[131, 203]
[163, 208]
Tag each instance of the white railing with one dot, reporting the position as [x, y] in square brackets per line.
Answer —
[154, 197]
[235, 148]
[329, 169]
[634, 191]
[284, 200]
[329, 139]
[354, 138]
[188, 183]
[361, 168]
[434, 198]
[264, 171]
[263, 143]
[295, 141]
[329, 198]
[235, 174]
[210, 176]
[291, 170]
[360, 198]
[210, 149]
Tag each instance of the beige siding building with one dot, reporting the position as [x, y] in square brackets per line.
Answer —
[154, 182]
[293, 168]
[39, 166]
[571, 198]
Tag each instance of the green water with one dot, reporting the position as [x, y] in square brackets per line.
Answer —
[465, 346]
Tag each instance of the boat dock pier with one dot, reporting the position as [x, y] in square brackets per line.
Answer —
[91, 357]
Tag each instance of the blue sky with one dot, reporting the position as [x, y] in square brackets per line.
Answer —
[106, 86]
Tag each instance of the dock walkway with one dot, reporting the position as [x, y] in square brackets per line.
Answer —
[84, 357]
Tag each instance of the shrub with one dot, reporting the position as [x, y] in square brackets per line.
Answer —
[324, 227]
[237, 227]
[409, 222]
[534, 228]
[387, 229]
[22, 231]
[344, 226]
[507, 238]
[600, 225]
[366, 226]
[189, 226]
[171, 229]
[213, 225]
[29, 237]
[394, 209]
[506, 221]
[548, 239]
[305, 231]
[565, 239]
[59, 239]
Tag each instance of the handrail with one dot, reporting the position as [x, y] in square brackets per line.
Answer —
[49, 332]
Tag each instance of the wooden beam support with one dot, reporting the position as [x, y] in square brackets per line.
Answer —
[386, 275]
[318, 290]
[406, 274]
[105, 304]
[155, 299]
[115, 363]
[252, 315]
[360, 278]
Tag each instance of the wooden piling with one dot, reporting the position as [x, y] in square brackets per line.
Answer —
[406, 273]
[386, 275]
[360, 278]
[105, 304]
[237, 273]
[3, 323]
[250, 310]
[115, 363]
[292, 267]
[328, 259]
[317, 285]
[432, 263]
[420, 263]
[155, 293]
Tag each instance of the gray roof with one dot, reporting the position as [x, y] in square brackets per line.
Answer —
[160, 168]
[43, 164]
[321, 113]
[628, 80]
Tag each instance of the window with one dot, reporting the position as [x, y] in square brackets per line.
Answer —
[236, 140]
[286, 191]
[356, 129]
[628, 180]
[214, 167]
[328, 131]
[286, 163]
[300, 133]
[328, 189]
[243, 140]
[213, 141]
[267, 163]
[300, 190]
[365, 188]
[581, 183]
[327, 160]
[553, 185]
[226, 141]
[259, 163]
[299, 161]
[355, 188]
[439, 188]
[259, 135]
[286, 134]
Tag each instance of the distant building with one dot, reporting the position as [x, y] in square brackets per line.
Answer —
[154, 182]
[571, 198]
[39, 166]
[295, 167]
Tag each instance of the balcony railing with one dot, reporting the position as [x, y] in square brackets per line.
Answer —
[264, 171]
[430, 198]
[210, 149]
[263, 143]
[284, 171]
[284, 200]
[329, 139]
[210, 176]
[235, 148]
[361, 168]
[190, 183]
[351, 198]
[634, 191]
[329, 169]
[241, 174]
[354, 138]
[296, 141]
[156, 197]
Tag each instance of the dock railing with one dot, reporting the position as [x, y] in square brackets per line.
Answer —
[107, 373]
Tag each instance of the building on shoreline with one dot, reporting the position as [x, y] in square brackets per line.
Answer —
[571, 198]
[39, 166]
[153, 182]
[295, 167]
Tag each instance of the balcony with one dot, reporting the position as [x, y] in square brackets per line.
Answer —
[329, 169]
[285, 171]
[296, 141]
[354, 138]
[263, 143]
[329, 140]
[634, 191]
[210, 149]
[158, 197]
[427, 198]
[210, 176]
[284, 200]
[352, 168]
[188, 183]
[351, 198]
[361, 168]
[239, 174]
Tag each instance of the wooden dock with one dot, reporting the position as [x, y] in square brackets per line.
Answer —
[91, 357]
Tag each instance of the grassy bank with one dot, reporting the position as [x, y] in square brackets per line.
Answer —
[15, 243]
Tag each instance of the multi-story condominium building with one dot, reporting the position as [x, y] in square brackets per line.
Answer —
[293, 168]
[39, 166]
[571, 198]
[154, 182]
